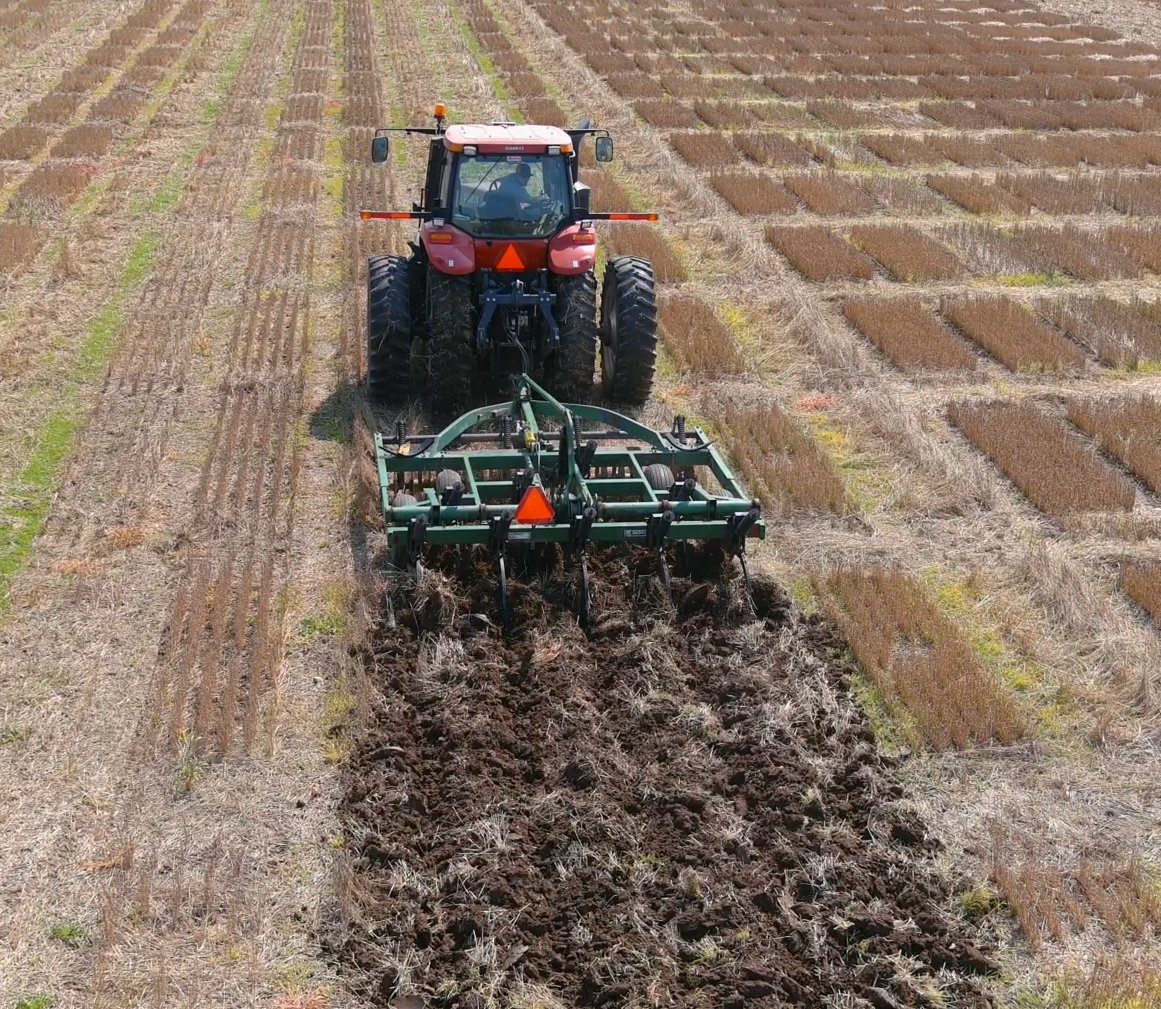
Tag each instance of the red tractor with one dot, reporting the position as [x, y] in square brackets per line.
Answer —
[501, 278]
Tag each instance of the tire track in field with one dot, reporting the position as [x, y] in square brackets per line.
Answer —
[219, 659]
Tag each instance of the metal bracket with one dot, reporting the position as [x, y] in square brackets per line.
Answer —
[492, 297]
[498, 532]
[658, 528]
[683, 490]
[737, 528]
[416, 534]
[578, 534]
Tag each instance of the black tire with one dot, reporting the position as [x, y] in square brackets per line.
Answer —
[451, 340]
[628, 330]
[576, 318]
[388, 328]
[659, 476]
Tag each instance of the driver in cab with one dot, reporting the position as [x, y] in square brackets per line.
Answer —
[515, 186]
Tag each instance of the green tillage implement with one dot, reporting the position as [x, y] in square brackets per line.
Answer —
[603, 474]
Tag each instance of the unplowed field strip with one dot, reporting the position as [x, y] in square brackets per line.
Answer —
[244, 504]
[198, 520]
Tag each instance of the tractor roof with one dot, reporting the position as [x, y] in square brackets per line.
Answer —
[494, 138]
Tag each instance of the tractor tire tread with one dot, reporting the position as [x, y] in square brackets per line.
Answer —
[629, 280]
[388, 328]
[451, 339]
[576, 319]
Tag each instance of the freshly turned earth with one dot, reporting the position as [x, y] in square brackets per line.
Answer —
[675, 813]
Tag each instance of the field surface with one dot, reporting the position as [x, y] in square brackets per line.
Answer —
[908, 260]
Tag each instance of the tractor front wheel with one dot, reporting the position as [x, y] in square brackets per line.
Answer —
[388, 328]
[628, 330]
[576, 321]
[451, 337]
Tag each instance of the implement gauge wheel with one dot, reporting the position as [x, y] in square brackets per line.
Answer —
[388, 329]
[628, 330]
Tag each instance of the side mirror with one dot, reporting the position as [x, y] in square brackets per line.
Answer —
[581, 198]
[379, 149]
[604, 148]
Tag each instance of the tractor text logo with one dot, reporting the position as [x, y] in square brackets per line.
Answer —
[514, 147]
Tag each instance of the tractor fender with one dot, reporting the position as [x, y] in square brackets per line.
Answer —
[448, 249]
[573, 250]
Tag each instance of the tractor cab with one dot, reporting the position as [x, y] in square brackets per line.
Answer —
[502, 275]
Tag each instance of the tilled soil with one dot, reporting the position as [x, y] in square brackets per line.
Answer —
[665, 811]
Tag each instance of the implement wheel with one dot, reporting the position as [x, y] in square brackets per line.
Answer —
[451, 335]
[628, 330]
[388, 328]
[576, 318]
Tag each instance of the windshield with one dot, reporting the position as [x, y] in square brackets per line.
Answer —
[510, 196]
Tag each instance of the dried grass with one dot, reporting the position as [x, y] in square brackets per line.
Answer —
[19, 244]
[753, 193]
[1142, 242]
[666, 113]
[1121, 336]
[704, 150]
[1142, 583]
[19, 143]
[783, 463]
[634, 84]
[959, 115]
[543, 111]
[1125, 427]
[772, 149]
[920, 659]
[87, 141]
[1079, 252]
[820, 255]
[910, 334]
[907, 253]
[1071, 194]
[53, 109]
[697, 339]
[830, 194]
[978, 195]
[900, 150]
[1055, 468]
[1011, 334]
[624, 239]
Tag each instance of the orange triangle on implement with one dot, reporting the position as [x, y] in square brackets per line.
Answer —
[510, 260]
[534, 507]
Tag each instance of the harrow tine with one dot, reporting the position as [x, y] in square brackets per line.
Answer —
[585, 602]
[746, 576]
[505, 612]
[663, 570]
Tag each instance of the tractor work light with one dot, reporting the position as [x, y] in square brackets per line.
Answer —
[470, 150]
[554, 149]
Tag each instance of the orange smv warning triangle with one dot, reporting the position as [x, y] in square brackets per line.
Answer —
[534, 507]
[510, 260]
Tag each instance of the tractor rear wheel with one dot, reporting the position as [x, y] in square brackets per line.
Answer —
[388, 328]
[451, 336]
[576, 319]
[628, 330]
